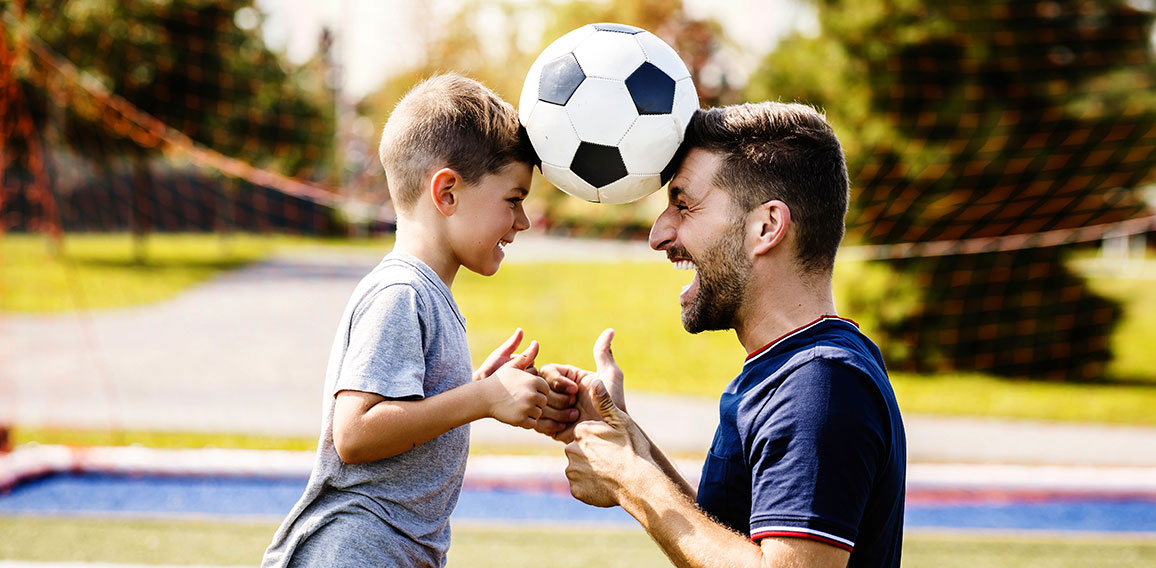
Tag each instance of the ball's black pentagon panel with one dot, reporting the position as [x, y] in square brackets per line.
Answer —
[560, 78]
[652, 90]
[598, 165]
[620, 28]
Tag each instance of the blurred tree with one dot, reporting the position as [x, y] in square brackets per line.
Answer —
[198, 66]
[495, 42]
[977, 119]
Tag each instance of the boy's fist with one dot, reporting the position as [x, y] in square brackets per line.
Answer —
[517, 396]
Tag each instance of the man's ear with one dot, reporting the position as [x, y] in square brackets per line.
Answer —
[772, 219]
[441, 188]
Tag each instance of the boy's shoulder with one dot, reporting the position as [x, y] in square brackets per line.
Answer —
[399, 271]
[401, 268]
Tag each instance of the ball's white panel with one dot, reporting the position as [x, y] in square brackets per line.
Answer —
[685, 103]
[565, 44]
[663, 56]
[650, 143]
[629, 188]
[556, 49]
[609, 55]
[568, 181]
[551, 133]
[601, 110]
[529, 92]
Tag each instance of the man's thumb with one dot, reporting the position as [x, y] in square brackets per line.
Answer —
[603, 356]
[605, 405]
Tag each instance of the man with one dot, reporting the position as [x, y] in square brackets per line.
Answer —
[807, 467]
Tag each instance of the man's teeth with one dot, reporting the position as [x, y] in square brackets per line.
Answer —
[684, 265]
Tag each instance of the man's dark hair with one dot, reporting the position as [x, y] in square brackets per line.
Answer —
[781, 151]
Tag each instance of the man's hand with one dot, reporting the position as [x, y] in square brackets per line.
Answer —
[605, 455]
[559, 412]
[608, 373]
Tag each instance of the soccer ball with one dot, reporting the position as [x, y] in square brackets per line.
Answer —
[606, 107]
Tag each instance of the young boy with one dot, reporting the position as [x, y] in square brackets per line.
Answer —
[398, 390]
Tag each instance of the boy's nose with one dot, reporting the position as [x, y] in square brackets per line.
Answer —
[521, 221]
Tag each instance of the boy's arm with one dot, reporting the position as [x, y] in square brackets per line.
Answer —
[369, 427]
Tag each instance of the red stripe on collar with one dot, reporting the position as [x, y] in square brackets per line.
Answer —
[767, 347]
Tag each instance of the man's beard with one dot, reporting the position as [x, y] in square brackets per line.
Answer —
[723, 271]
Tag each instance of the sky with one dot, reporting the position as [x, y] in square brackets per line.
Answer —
[381, 37]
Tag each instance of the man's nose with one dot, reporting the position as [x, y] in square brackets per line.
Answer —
[662, 232]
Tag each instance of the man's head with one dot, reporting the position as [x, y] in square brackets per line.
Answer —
[449, 121]
[786, 152]
[754, 177]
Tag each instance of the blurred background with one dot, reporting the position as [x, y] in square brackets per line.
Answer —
[189, 190]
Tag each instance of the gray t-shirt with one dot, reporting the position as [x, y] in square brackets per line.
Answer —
[401, 337]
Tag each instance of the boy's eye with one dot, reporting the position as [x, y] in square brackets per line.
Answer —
[514, 201]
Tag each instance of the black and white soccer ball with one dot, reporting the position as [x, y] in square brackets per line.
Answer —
[606, 107]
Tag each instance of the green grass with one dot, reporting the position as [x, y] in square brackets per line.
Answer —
[565, 305]
[981, 395]
[1136, 330]
[241, 544]
[164, 440]
[93, 271]
[100, 271]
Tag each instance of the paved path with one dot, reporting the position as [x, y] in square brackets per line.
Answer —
[243, 353]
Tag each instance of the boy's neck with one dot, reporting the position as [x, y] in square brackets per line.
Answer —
[428, 247]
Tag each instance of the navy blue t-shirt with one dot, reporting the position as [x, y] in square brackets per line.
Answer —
[810, 444]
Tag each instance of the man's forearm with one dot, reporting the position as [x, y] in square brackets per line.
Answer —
[668, 468]
[687, 535]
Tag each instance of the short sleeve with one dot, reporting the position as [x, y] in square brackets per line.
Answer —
[385, 355]
[814, 450]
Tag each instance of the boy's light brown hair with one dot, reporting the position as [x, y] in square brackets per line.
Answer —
[449, 121]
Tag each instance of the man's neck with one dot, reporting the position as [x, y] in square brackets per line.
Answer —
[772, 311]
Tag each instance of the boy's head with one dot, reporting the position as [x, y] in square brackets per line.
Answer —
[449, 121]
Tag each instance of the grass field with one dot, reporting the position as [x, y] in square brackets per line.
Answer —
[565, 305]
[241, 544]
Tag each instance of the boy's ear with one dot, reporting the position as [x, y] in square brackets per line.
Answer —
[772, 219]
[442, 186]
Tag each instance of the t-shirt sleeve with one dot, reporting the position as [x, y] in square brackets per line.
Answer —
[385, 355]
[813, 449]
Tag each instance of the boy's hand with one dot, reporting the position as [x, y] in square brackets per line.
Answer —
[502, 355]
[516, 396]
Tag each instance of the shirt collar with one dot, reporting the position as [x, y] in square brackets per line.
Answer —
[795, 332]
